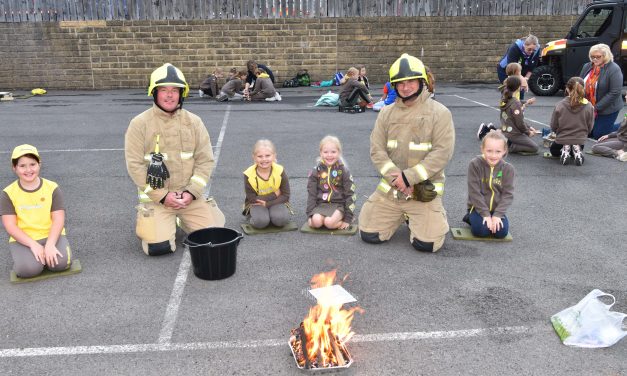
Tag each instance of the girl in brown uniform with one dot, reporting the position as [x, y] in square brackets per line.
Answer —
[513, 124]
[572, 121]
[490, 188]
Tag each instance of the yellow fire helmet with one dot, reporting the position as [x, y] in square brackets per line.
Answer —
[407, 67]
[168, 75]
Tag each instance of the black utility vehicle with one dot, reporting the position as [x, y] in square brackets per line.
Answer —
[601, 22]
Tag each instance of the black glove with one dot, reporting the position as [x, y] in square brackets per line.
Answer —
[157, 172]
[424, 191]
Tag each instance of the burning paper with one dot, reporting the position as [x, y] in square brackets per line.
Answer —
[320, 340]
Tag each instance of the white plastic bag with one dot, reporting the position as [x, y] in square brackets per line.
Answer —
[590, 323]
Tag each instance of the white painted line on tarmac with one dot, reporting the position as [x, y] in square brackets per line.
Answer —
[494, 108]
[172, 310]
[222, 345]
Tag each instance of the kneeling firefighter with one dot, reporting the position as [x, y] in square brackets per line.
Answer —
[410, 145]
[169, 157]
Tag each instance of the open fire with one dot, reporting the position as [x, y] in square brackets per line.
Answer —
[320, 340]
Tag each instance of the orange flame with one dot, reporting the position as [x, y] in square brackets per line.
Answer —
[327, 322]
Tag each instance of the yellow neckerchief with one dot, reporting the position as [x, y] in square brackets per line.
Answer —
[261, 186]
[263, 75]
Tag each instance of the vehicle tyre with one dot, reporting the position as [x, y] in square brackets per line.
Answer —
[546, 80]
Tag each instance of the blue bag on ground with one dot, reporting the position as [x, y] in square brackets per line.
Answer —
[328, 99]
[590, 323]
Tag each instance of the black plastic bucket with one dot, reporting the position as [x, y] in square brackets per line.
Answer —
[213, 251]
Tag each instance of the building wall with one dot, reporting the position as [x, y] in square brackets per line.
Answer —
[122, 54]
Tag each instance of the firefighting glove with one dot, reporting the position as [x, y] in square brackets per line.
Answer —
[424, 191]
[157, 171]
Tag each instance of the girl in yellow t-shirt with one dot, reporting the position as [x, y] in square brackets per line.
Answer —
[33, 215]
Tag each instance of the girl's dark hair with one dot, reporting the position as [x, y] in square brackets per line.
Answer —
[575, 91]
[32, 156]
[510, 85]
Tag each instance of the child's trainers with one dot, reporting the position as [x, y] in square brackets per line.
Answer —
[271, 99]
[277, 96]
[622, 157]
[565, 157]
[577, 155]
[200, 93]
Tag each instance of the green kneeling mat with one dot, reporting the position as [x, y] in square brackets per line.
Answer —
[464, 233]
[526, 153]
[74, 268]
[589, 152]
[549, 155]
[351, 230]
[250, 230]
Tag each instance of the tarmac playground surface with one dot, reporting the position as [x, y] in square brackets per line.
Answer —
[473, 308]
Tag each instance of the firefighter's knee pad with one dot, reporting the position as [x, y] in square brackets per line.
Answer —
[370, 237]
[159, 249]
[422, 246]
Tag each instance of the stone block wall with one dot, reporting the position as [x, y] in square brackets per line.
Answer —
[122, 54]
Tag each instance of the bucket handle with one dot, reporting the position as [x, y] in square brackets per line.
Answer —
[190, 243]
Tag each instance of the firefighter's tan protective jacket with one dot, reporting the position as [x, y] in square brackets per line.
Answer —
[417, 139]
[185, 145]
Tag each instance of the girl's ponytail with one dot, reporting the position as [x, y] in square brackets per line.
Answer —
[510, 85]
[574, 86]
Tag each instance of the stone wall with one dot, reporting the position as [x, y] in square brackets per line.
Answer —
[121, 54]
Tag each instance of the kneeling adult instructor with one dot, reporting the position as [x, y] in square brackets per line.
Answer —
[410, 145]
[169, 157]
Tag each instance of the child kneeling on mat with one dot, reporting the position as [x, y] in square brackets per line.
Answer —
[267, 188]
[33, 215]
[572, 121]
[330, 189]
[490, 188]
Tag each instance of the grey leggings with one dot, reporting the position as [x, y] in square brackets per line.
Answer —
[262, 217]
[25, 265]
[608, 147]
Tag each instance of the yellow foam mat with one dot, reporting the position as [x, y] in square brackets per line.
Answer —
[464, 233]
[75, 268]
[250, 230]
[351, 230]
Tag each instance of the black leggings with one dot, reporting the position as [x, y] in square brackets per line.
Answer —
[355, 94]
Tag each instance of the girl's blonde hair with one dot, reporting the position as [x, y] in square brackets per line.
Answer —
[574, 86]
[513, 69]
[328, 139]
[264, 143]
[495, 135]
[352, 72]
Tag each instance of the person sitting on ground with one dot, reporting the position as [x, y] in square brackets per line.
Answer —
[209, 87]
[330, 189]
[513, 123]
[353, 92]
[572, 121]
[613, 145]
[233, 90]
[515, 69]
[34, 215]
[251, 77]
[267, 188]
[263, 89]
[362, 76]
[490, 188]
[231, 75]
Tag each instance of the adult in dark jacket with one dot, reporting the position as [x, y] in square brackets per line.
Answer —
[252, 66]
[526, 52]
[603, 83]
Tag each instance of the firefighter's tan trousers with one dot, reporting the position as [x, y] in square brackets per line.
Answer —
[383, 215]
[157, 223]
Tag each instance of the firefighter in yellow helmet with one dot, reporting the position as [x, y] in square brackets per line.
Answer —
[410, 145]
[169, 157]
